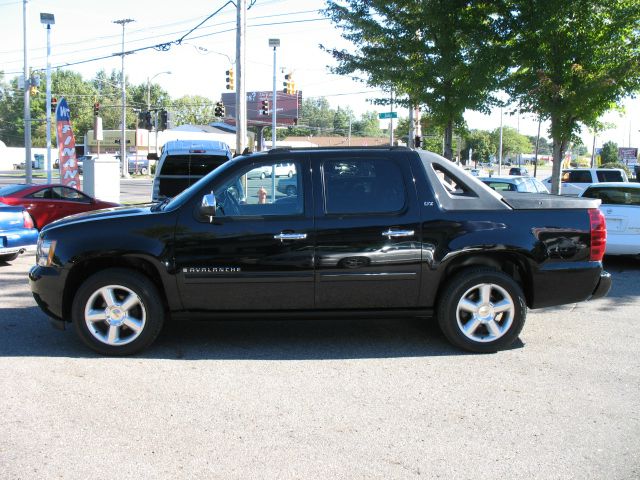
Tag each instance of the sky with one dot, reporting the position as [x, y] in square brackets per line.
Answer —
[84, 31]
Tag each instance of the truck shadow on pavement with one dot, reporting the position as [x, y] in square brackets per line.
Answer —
[26, 332]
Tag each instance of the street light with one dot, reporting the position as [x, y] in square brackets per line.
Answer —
[48, 19]
[149, 88]
[123, 140]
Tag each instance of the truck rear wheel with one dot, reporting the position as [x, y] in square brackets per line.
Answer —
[482, 310]
[117, 312]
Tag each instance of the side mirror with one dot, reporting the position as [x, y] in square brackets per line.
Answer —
[208, 206]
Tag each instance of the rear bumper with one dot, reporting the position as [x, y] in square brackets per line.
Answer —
[564, 283]
[603, 287]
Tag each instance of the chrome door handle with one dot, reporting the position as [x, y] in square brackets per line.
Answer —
[398, 233]
[290, 236]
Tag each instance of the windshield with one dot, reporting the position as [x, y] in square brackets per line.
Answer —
[185, 195]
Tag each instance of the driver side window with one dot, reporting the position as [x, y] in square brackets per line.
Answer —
[262, 189]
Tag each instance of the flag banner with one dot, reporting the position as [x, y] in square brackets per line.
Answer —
[69, 174]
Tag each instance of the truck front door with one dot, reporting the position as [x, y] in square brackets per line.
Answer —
[256, 253]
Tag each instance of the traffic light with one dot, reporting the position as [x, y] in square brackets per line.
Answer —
[54, 104]
[163, 120]
[265, 108]
[230, 79]
[289, 84]
[33, 90]
[96, 109]
[219, 110]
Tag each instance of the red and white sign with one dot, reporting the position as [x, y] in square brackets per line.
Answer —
[69, 173]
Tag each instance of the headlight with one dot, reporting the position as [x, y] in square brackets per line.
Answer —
[45, 251]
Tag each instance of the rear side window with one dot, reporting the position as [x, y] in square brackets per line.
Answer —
[357, 186]
[609, 176]
[501, 186]
[576, 176]
[198, 165]
[615, 196]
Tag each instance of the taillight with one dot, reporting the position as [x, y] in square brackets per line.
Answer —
[27, 220]
[598, 234]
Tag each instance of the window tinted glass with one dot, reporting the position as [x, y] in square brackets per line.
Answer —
[362, 186]
[576, 176]
[198, 165]
[501, 186]
[615, 196]
[609, 176]
[71, 194]
[248, 194]
[44, 193]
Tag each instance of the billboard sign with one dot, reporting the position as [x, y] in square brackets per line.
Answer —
[69, 174]
[628, 156]
[288, 108]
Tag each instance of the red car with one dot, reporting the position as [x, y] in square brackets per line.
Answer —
[49, 202]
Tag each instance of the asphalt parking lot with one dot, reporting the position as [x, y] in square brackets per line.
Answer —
[386, 399]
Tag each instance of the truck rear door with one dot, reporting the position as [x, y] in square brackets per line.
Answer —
[368, 245]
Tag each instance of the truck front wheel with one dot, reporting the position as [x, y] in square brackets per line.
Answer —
[117, 312]
[482, 310]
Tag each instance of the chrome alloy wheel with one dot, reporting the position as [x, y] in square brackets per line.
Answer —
[485, 312]
[115, 315]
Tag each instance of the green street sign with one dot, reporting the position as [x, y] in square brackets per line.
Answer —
[384, 115]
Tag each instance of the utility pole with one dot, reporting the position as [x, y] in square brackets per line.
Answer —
[535, 164]
[123, 126]
[48, 19]
[241, 95]
[391, 122]
[27, 100]
[275, 43]
[500, 147]
[410, 138]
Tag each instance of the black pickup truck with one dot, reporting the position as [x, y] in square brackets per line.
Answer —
[365, 231]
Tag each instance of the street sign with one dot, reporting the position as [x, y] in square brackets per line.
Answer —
[384, 115]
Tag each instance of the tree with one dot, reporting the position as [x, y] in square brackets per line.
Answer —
[194, 110]
[367, 126]
[443, 55]
[574, 59]
[480, 143]
[544, 147]
[513, 142]
[609, 153]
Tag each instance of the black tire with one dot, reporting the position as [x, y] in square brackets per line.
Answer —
[146, 312]
[290, 174]
[262, 176]
[9, 257]
[144, 171]
[486, 330]
[290, 190]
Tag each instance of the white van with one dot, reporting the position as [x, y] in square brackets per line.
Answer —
[184, 162]
[576, 180]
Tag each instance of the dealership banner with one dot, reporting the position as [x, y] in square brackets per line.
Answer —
[69, 174]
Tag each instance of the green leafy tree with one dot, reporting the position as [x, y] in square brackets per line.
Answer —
[480, 143]
[443, 55]
[609, 153]
[367, 126]
[574, 60]
[544, 147]
[513, 143]
[194, 110]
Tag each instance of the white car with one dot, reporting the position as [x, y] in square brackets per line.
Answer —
[575, 180]
[621, 208]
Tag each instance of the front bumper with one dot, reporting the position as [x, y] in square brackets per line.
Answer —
[47, 287]
[603, 287]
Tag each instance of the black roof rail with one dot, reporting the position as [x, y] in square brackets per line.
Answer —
[298, 149]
